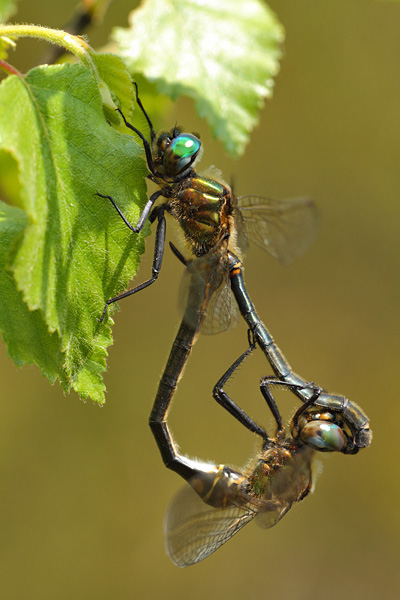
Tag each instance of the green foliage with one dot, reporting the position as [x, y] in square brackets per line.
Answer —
[24, 331]
[7, 9]
[114, 74]
[63, 250]
[222, 54]
[68, 253]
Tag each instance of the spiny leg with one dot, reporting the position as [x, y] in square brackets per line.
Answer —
[178, 254]
[270, 400]
[144, 215]
[146, 146]
[157, 260]
[226, 402]
[139, 102]
[265, 384]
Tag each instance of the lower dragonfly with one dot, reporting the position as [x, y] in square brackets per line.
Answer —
[347, 415]
[221, 500]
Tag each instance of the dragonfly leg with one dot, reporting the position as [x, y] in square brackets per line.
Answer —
[143, 217]
[314, 397]
[265, 384]
[158, 212]
[178, 254]
[226, 402]
[266, 392]
[139, 102]
[146, 145]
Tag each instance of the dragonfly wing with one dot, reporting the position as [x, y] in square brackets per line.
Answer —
[241, 233]
[194, 530]
[221, 311]
[284, 228]
[290, 485]
[206, 293]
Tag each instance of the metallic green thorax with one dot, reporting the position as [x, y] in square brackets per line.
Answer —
[202, 206]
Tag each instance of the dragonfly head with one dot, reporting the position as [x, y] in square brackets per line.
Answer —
[320, 431]
[176, 152]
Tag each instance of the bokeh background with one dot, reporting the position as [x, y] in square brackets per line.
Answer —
[83, 491]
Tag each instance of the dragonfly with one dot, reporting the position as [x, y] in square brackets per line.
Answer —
[208, 212]
[220, 500]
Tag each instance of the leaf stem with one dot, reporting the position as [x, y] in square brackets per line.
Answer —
[73, 43]
[7, 68]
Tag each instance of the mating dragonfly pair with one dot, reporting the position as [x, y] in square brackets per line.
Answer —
[216, 226]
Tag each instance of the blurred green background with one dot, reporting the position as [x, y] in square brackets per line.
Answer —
[83, 490]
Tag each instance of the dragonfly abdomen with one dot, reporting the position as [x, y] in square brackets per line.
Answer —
[221, 488]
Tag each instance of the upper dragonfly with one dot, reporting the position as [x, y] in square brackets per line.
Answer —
[208, 213]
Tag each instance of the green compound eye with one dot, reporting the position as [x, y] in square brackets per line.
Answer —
[323, 436]
[185, 145]
[181, 153]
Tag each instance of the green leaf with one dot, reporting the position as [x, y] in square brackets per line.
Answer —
[7, 9]
[114, 73]
[75, 252]
[9, 181]
[24, 331]
[222, 54]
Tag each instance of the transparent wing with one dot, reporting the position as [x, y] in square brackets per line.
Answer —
[194, 530]
[206, 293]
[288, 486]
[284, 228]
[221, 310]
